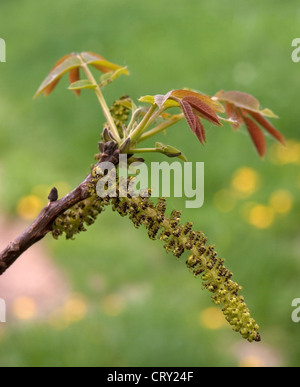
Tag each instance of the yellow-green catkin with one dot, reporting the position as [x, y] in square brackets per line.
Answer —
[120, 114]
[75, 220]
[178, 238]
[202, 259]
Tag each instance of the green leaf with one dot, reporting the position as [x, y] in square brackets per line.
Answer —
[107, 78]
[128, 103]
[82, 84]
[72, 61]
[161, 99]
[101, 63]
[151, 99]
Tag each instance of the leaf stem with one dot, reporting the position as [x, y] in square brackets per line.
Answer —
[143, 150]
[101, 100]
[143, 125]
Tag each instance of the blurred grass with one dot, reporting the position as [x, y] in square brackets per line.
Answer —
[167, 45]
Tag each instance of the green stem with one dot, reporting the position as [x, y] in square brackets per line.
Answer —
[143, 125]
[101, 100]
[133, 120]
[143, 150]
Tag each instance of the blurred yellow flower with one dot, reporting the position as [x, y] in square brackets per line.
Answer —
[24, 308]
[225, 200]
[290, 154]
[75, 309]
[281, 201]
[113, 305]
[245, 181]
[212, 318]
[42, 191]
[261, 216]
[29, 207]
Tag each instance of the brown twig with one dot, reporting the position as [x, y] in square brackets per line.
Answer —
[43, 223]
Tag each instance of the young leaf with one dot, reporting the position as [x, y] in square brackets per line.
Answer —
[82, 84]
[204, 109]
[170, 151]
[151, 100]
[257, 136]
[64, 65]
[213, 104]
[189, 115]
[269, 127]
[234, 115]
[160, 99]
[107, 78]
[243, 101]
[200, 131]
[74, 76]
[101, 63]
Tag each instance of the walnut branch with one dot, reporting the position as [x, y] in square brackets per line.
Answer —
[43, 223]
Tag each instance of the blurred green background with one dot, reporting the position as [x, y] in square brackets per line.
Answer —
[122, 301]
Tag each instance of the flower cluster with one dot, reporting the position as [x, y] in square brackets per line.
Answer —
[120, 113]
[75, 220]
[202, 260]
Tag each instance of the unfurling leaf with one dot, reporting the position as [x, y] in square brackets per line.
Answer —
[107, 78]
[243, 101]
[269, 127]
[213, 104]
[74, 76]
[234, 115]
[64, 65]
[161, 99]
[101, 63]
[73, 62]
[189, 115]
[82, 84]
[151, 100]
[200, 131]
[170, 151]
[257, 136]
[203, 109]
[239, 107]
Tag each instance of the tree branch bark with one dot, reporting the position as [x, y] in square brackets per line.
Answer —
[43, 223]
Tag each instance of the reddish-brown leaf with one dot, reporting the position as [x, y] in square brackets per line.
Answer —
[213, 104]
[200, 131]
[189, 115]
[268, 126]
[48, 90]
[61, 67]
[238, 98]
[234, 114]
[74, 76]
[91, 58]
[257, 136]
[204, 110]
